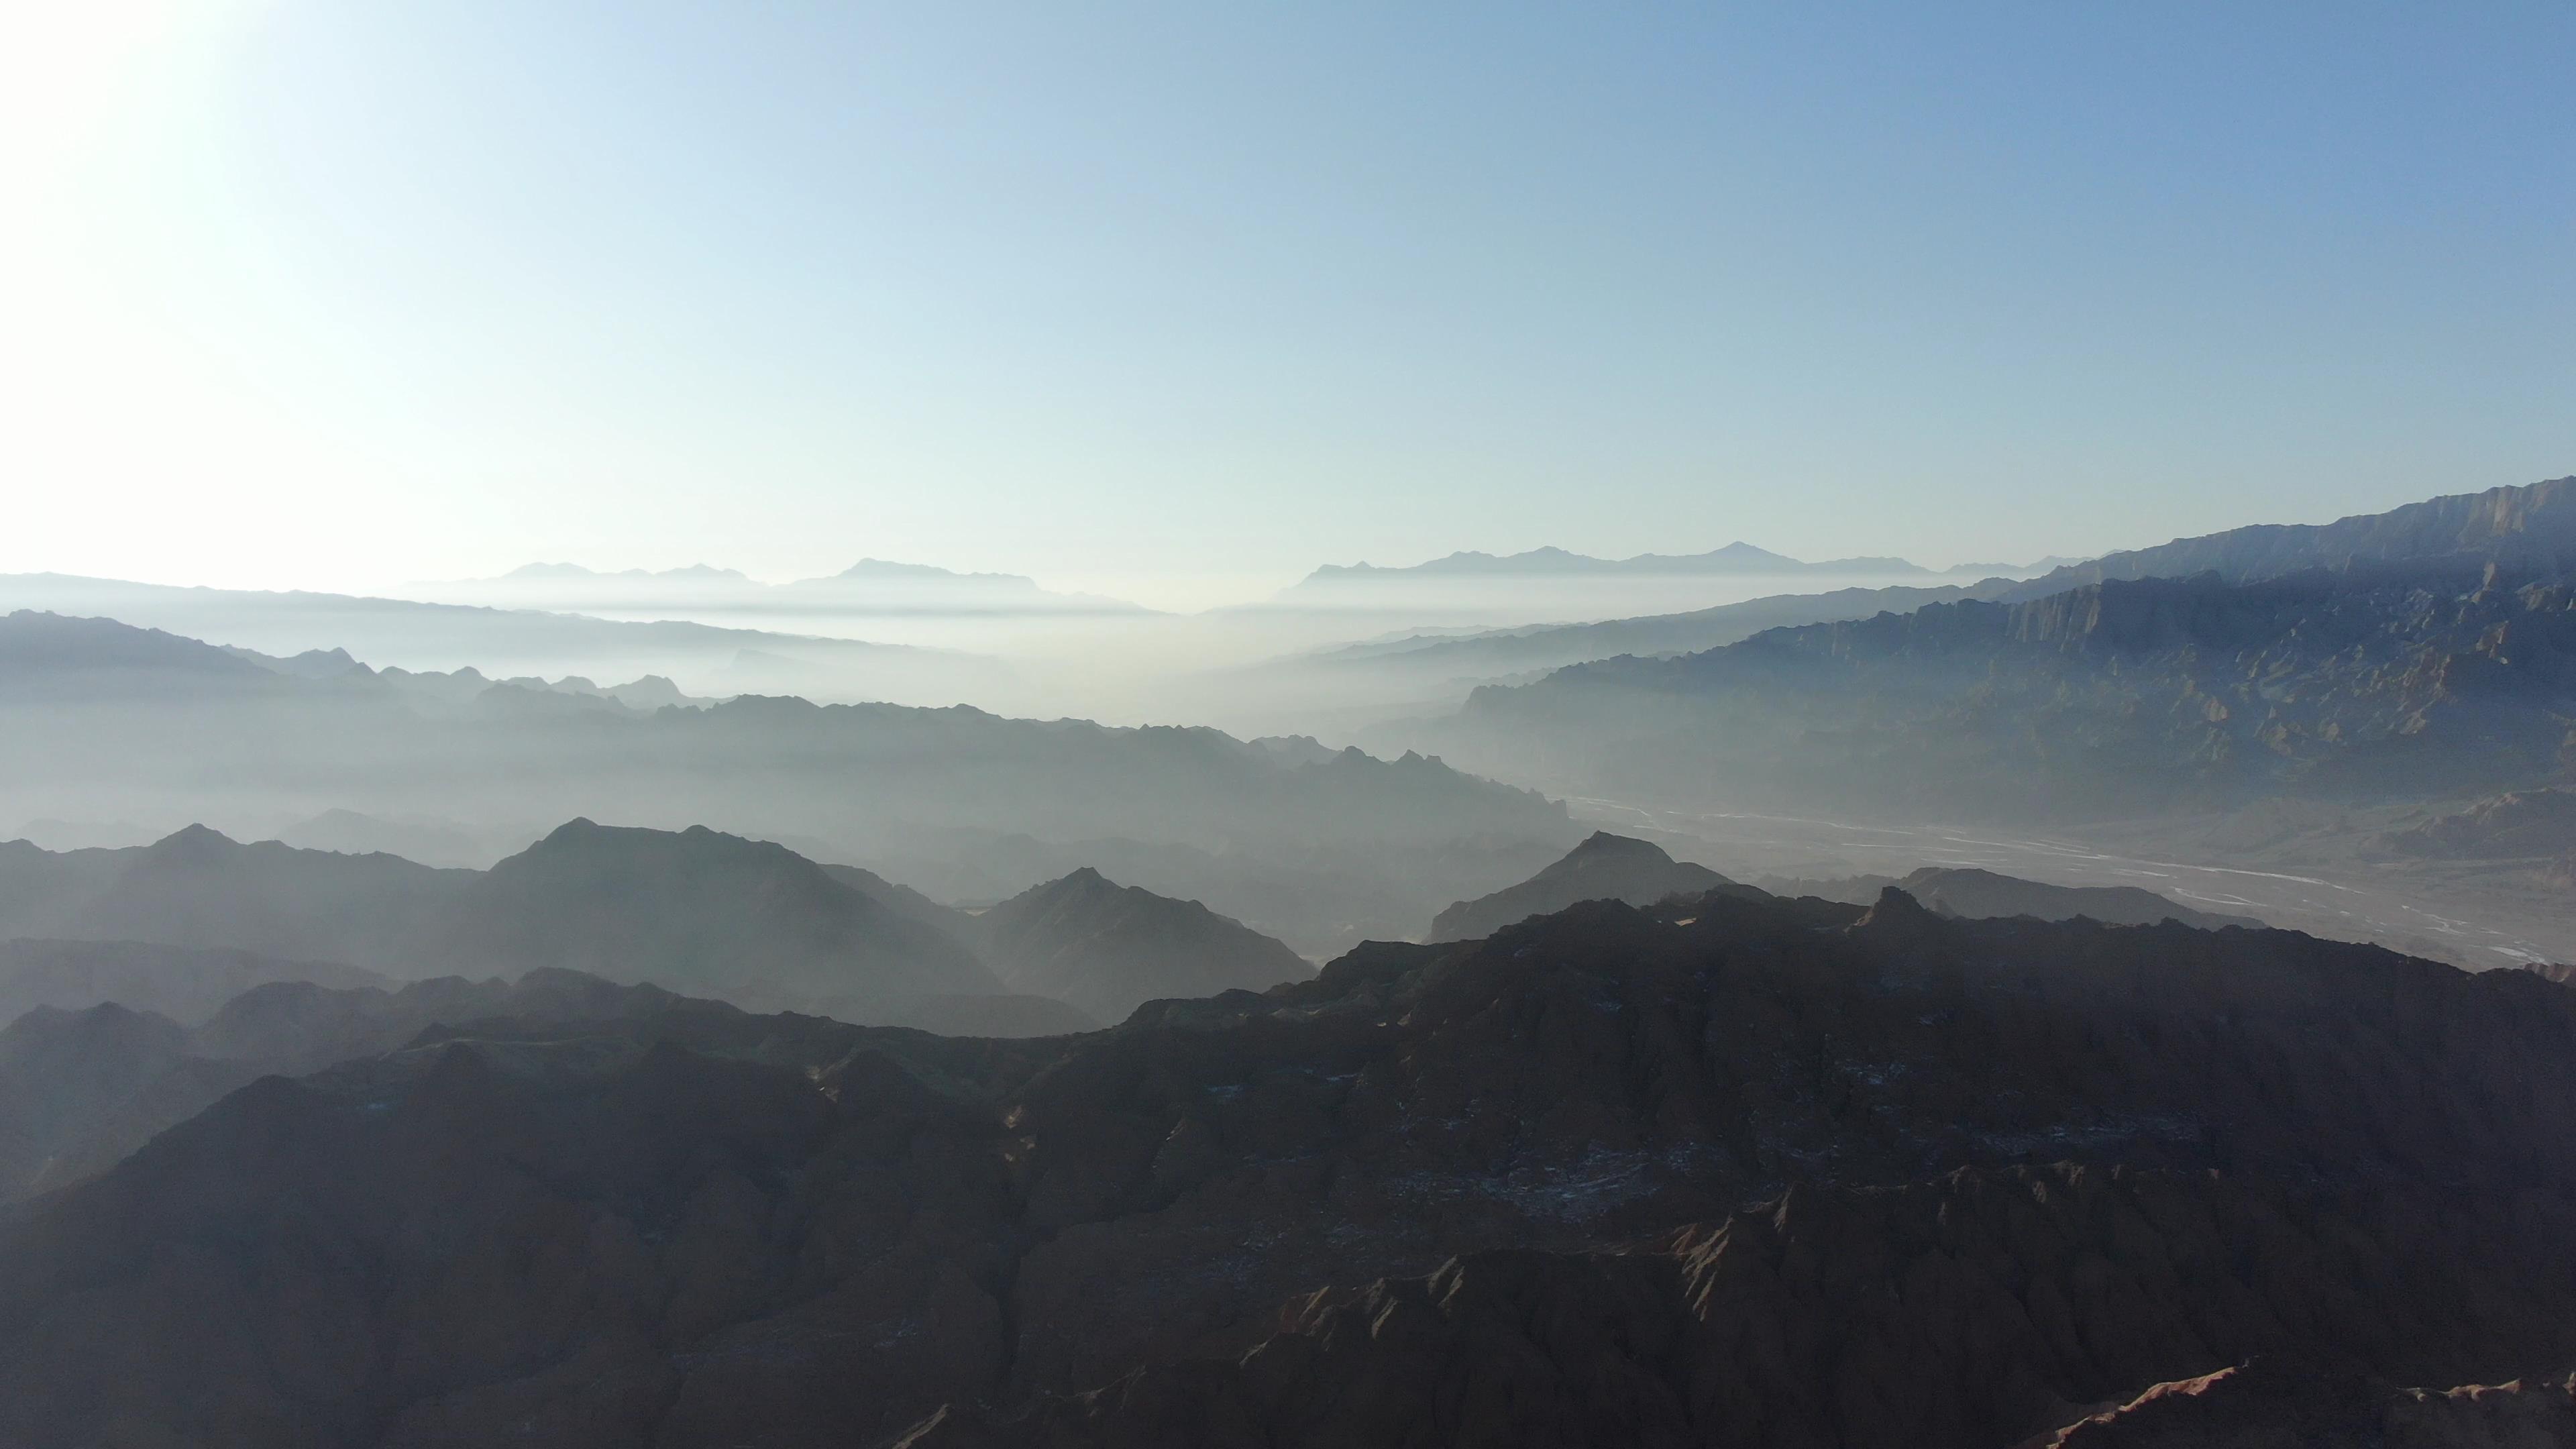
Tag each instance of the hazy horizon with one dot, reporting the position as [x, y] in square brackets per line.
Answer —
[1176, 306]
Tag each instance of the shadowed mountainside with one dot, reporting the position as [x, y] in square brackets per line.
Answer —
[788, 1232]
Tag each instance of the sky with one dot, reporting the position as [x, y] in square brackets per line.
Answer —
[1178, 302]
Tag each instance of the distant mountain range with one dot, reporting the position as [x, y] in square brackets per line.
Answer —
[435, 637]
[1553, 646]
[692, 573]
[1734, 558]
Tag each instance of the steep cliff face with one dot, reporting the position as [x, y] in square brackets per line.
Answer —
[2114, 697]
[686, 1225]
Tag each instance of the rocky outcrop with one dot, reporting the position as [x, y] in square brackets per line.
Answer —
[1605, 867]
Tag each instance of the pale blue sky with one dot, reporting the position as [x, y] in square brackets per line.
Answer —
[1180, 301]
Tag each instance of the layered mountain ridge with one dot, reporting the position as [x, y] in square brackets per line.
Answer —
[1319, 848]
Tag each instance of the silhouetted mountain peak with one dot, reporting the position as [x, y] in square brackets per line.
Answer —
[195, 842]
[1604, 867]
[1108, 948]
[1897, 918]
[1083, 878]
[707, 910]
[1601, 845]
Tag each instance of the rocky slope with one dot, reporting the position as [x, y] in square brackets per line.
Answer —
[1604, 867]
[1737, 1170]
[1109, 948]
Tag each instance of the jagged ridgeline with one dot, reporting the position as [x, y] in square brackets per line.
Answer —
[1732, 1169]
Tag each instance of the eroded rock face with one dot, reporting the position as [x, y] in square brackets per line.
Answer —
[794, 1232]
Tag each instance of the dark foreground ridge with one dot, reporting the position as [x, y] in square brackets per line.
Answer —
[1735, 1170]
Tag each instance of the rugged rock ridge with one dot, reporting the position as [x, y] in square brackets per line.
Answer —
[792, 1232]
[1605, 867]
